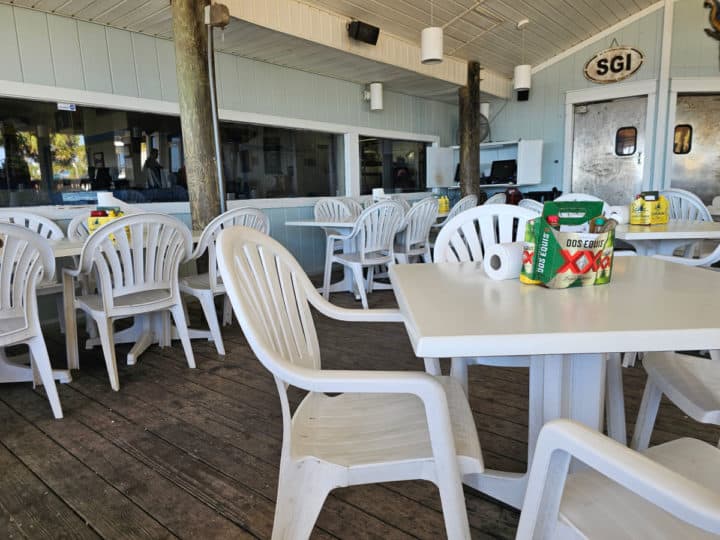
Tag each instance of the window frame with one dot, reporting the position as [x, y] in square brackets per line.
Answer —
[617, 140]
[690, 141]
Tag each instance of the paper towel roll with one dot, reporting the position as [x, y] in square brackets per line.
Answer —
[504, 261]
[621, 214]
[105, 198]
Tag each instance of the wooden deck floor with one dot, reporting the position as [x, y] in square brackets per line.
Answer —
[194, 453]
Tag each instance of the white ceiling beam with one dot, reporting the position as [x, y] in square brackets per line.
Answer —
[320, 26]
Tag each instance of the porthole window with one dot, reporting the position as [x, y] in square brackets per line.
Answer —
[682, 141]
[626, 141]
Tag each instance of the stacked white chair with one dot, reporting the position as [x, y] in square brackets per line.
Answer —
[49, 230]
[466, 237]
[373, 238]
[25, 260]
[402, 201]
[413, 240]
[384, 426]
[205, 287]
[531, 204]
[355, 207]
[686, 205]
[671, 491]
[498, 198]
[136, 261]
[334, 210]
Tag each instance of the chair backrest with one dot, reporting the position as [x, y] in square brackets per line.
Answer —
[136, 253]
[376, 228]
[41, 225]
[531, 204]
[355, 207]
[269, 293]
[418, 222]
[686, 205]
[498, 198]
[332, 210]
[245, 217]
[25, 259]
[466, 236]
[78, 227]
[402, 202]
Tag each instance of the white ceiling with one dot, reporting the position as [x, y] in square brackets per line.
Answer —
[486, 30]
[482, 30]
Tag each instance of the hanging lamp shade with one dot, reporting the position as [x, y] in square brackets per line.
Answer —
[522, 77]
[431, 44]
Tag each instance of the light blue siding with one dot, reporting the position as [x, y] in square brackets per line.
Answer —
[95, 58]
[35, 55]
[10, 59]
[122, 65]
[146, 66]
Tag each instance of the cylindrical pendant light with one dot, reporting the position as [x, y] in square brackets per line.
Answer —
[376, 96]
[522, 77]
[431, 42]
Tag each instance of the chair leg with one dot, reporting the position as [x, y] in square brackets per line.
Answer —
[401, 258]
[105, 331]
[614, 399]
[360, 283]
[646, 416]
[182, 330]
[328, 268]
[370, 277]
[302, 491]
[459, 370]
[426, 256]
[629, 359]
[41, 363]
[61, 312]
[207, 301]
[227, 311]
[432, 366]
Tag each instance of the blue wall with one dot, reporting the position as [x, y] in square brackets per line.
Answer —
[543, 117]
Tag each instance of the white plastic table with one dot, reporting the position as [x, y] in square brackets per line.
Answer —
[343, 227]
[665, 239]
[454, 310]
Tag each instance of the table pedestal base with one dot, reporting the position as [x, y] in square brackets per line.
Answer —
[561, 386]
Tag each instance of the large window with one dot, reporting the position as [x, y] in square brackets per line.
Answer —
[54, 153]
[395, 166]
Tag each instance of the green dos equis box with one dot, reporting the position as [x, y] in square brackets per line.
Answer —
[562, 251]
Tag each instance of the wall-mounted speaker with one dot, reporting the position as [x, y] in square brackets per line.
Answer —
[364, 32]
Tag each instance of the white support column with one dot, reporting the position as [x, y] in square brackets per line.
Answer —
[661, 117]
[352, 164]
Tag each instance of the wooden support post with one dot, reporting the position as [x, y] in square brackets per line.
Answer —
[190, 34]
[469, 101]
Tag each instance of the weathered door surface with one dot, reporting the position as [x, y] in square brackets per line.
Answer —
[609, 149]
[695, 162]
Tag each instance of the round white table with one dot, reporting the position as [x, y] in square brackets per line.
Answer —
[665, 239]
[455, 310]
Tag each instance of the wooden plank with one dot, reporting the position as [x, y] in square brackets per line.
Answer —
[92, 498]
[30, 509]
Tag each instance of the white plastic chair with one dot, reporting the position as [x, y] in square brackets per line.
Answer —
[333, 210]
[384, 426]
[373, 238]
[136, 260]
[413, 240]
[205, 287]
[49, 230]
[686, 205]
[465, 238]
[25, 260]
[691, 383]
[531, 204]
[402, 201]
[498, 198]
[78, 227]
[355, 207]
[672, 491]
[467, 202]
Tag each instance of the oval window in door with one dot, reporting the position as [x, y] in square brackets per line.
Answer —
[626, 141]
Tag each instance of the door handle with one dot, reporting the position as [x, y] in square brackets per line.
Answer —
[639, 158]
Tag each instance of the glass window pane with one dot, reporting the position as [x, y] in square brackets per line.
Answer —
[682, 141]
[396, 166]
[626, 141]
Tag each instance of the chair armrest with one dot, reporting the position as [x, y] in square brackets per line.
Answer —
[562, 439]
[708, 260]
[352, 315]
[72, 272]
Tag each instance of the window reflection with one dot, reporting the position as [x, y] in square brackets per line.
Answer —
[396, 166]
[51, 156]
[626, 141]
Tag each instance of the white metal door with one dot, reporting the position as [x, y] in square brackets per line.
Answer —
[609, 148]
